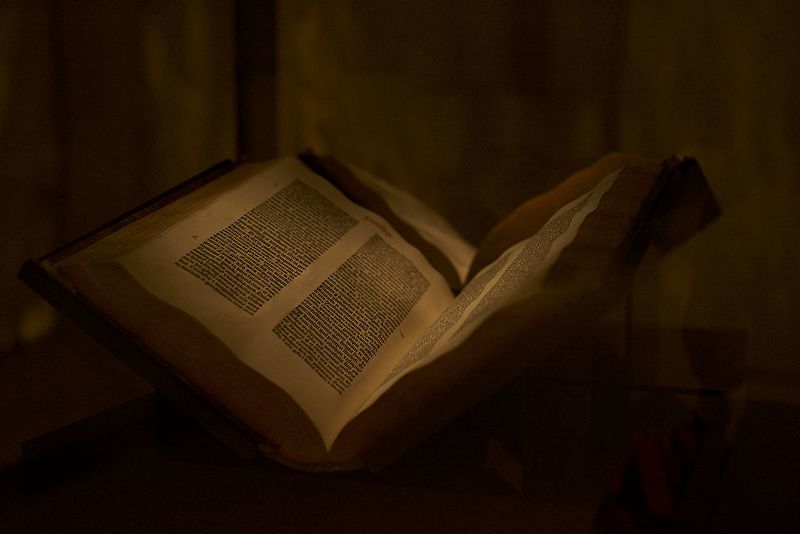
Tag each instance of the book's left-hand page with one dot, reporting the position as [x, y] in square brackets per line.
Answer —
[273, 268]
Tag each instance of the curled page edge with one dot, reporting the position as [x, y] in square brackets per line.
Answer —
[525, 288]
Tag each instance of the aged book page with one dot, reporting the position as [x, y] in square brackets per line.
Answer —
[310, 290]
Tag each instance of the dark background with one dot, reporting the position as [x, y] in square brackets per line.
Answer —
[473, 106]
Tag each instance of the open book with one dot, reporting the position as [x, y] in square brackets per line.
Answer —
[329, 314]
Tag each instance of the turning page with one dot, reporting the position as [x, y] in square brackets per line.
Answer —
[430, 225]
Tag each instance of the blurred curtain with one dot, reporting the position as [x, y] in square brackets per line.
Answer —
[102, 105]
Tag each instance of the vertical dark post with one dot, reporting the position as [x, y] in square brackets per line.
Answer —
[255, 79]
[61, 118]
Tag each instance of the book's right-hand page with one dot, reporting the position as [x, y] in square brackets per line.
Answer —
[516, 275]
